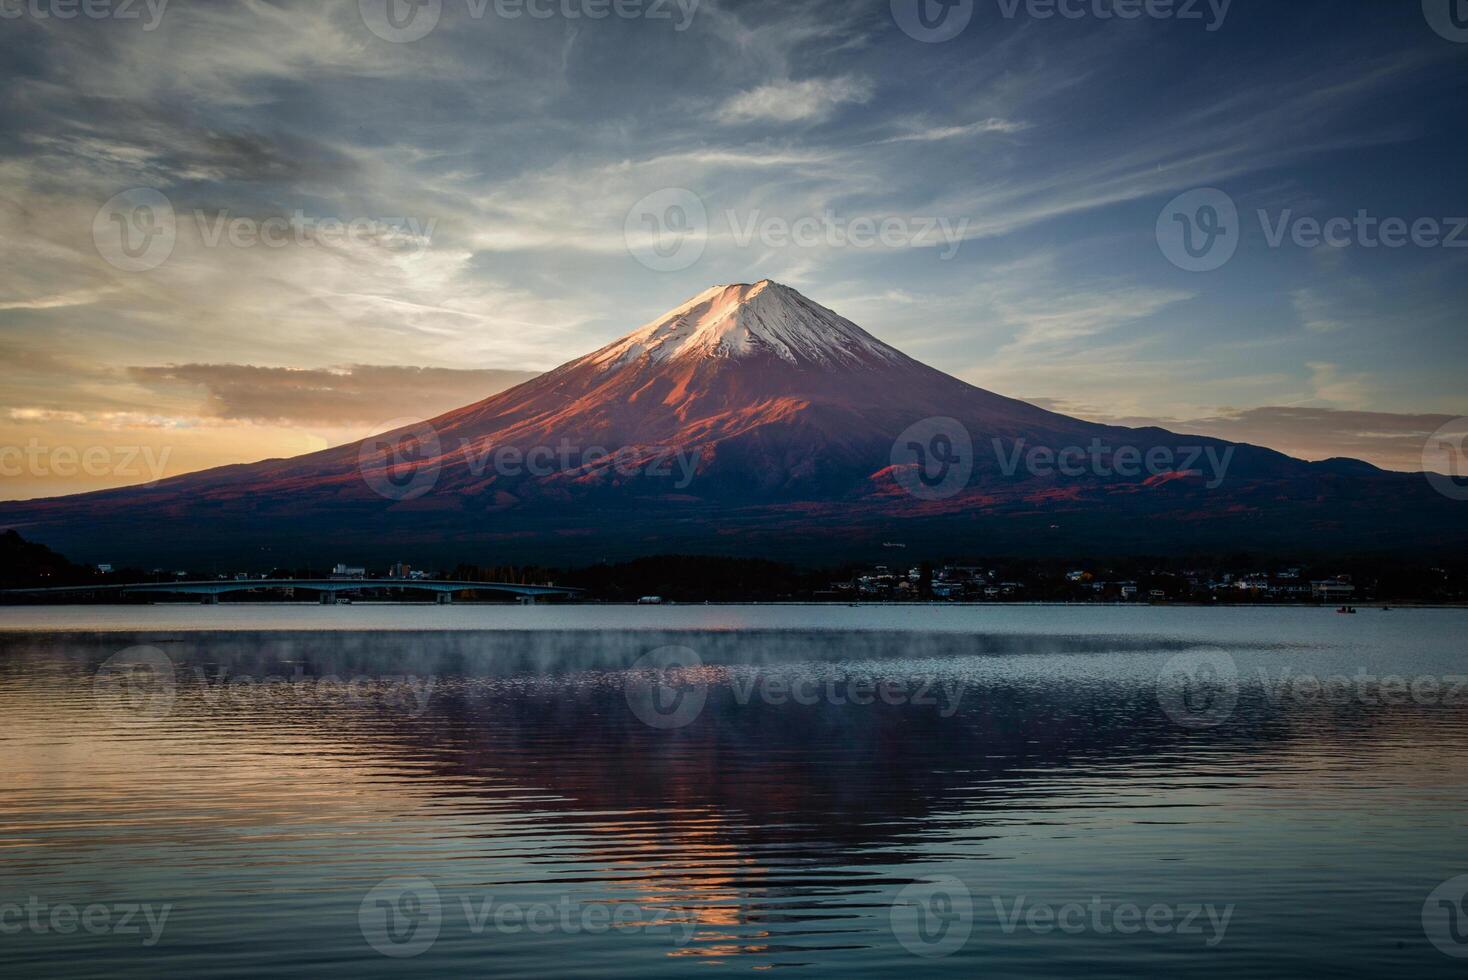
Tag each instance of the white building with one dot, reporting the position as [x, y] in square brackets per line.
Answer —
[1332, 589]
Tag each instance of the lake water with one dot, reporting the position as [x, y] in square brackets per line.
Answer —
[592, 791]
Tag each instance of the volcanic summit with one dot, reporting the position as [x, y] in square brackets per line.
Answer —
[748, 420]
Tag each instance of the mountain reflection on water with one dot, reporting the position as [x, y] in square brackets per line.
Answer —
[286, 776]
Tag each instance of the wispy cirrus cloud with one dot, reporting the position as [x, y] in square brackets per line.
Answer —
[932, 134]
[1315, 311]
[812, 99]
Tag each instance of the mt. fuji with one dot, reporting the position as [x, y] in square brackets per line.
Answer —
[765, 319]
[750, 420]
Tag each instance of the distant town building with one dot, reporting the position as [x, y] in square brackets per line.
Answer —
[1332, 589]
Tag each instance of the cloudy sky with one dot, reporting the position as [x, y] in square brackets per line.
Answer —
[329, 223]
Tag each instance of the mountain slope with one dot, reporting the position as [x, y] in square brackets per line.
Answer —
[749, 419]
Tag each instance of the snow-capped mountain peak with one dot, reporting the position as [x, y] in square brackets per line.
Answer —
[747, 320]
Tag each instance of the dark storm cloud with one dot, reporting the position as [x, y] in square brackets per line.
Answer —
[357, 394]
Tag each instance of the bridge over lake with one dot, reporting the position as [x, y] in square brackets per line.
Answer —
[329, 589]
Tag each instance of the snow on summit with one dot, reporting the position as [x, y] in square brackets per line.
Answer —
[751, 320]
